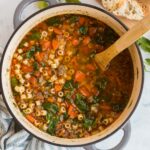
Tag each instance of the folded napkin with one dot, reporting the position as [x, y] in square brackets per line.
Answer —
[21, 140]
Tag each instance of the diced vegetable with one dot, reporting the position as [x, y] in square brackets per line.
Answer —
[73, 19]
[54, 21]
[102, 83]
[83, 30]
[26, 68]
[87, 123]
[35, 66]
[39, 56]
[30, 118]
[52, 125]
[33, 81]
[31, 52]
[68, 84]
[79, 76]
[50, 107]
[14, 82]
[72, 112]
[84, 91]
[80, 103]
[55, 44]
[35, 36]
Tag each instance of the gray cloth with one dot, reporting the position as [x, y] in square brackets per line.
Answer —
[21, 140]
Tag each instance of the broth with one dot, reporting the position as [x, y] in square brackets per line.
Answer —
[57, 84]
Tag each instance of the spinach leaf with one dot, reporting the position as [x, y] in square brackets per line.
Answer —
[52, 125]
[53, 108]
[102, 83]
[35, 35]
[30, 53]
[73, 19]
[35, 66]
[54, 21]
[87, 123]
[68, 84]
[144, 43]
[83, 30]
[14, 82]
[80, 103]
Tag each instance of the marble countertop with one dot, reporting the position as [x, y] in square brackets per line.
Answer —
[140, 120]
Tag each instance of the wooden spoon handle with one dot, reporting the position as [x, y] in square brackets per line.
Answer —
[123, 42]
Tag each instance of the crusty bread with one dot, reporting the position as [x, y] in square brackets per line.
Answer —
[131, 9]
[112, 5]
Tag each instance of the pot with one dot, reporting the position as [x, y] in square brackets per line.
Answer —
[31, 22]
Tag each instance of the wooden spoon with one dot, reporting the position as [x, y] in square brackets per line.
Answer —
[104, 58]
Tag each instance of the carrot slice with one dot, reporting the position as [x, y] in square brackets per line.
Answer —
[33, 81]
[72, 112]
[51, 99]
[86, 40]
[81, 20]
[57, 31]
[55, 44]
[26, 69]
[58, 87]
[39, 56]
[30, 118]
[14, 61]
[75, 42]
[105, 107]
[90, 67]
[84, 91]
[46, 44]
[79, 76]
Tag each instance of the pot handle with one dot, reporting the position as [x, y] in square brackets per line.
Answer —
[127, 132]
[22, 5]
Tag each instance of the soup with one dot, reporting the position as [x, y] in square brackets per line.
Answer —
[56, 83]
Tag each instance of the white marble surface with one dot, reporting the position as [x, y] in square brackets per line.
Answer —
[140, 120]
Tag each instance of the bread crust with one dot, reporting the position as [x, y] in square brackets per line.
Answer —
[115, 6]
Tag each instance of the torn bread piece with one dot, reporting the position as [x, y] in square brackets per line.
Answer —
[131, 9]
[112, 5]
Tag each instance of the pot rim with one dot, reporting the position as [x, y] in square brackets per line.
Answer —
[68, 4]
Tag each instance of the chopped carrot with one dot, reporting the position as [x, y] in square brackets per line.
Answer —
[51, 99]
[57, 31]
[30, 118]
[75, 42]
[86, 40]
[55, 44]
[79, 76]
[105, 107]
[81, 20]
[14, 61]
[33, 81]
[84, 91]
[74, 62]
[58, 87]
[32, 42]
[46, 44]
[90, 67]
[39, 56]
[72, 112]
[26, 68]
[37, 73]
